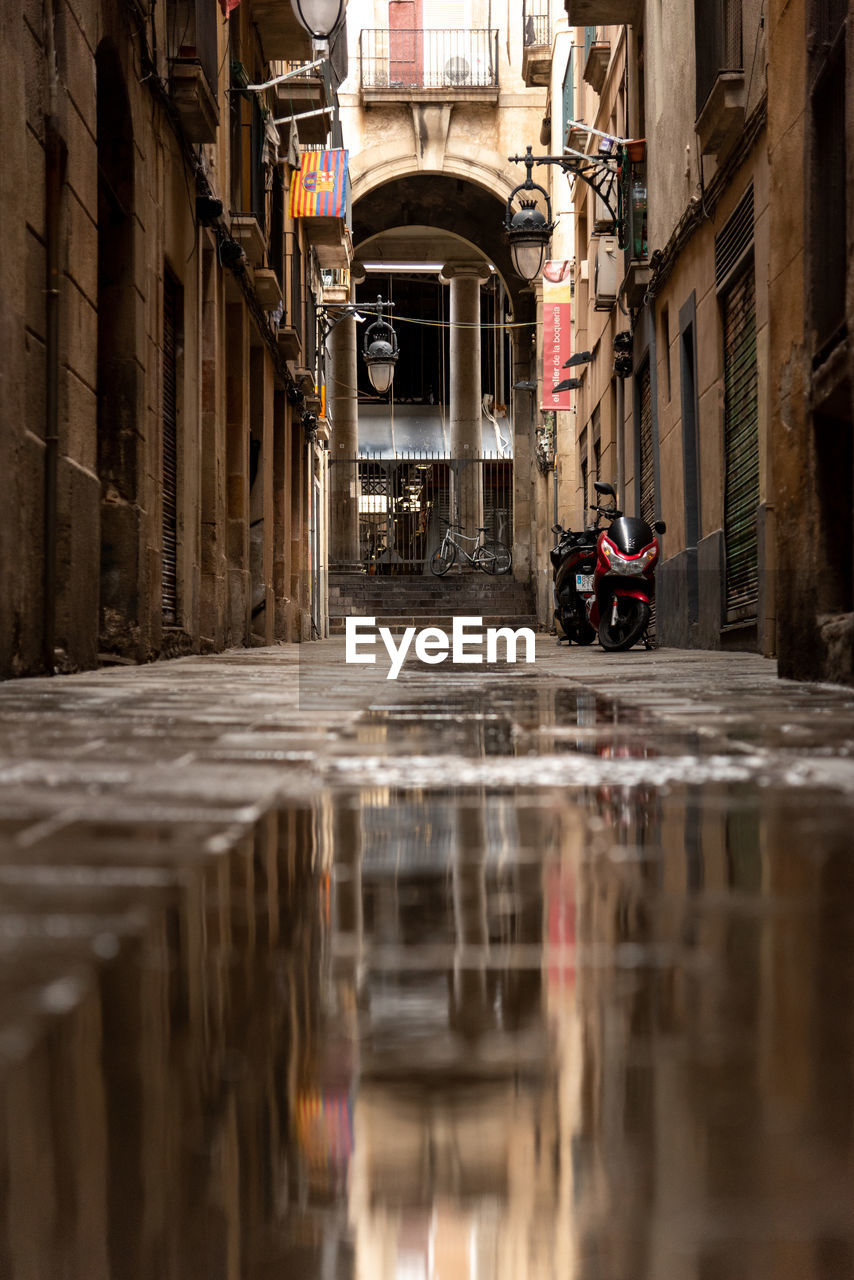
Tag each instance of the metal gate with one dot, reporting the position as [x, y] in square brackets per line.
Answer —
[646, 486]
[172, 305]
[403, 503]
[741, 446]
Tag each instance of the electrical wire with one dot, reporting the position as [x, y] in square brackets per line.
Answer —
[456, 324]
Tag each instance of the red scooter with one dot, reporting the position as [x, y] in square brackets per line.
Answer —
[624, 577]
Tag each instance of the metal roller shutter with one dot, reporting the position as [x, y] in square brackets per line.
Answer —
[741, 445]
[171, 328]
[647, 463]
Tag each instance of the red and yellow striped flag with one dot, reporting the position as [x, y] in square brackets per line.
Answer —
[318, 186]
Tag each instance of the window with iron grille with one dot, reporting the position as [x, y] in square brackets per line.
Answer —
[718, 43]
[248, 187]
[646, 469]
[277, 228]
[584, 468]
[647, 459]
[191, 33]
[596, 425]
[535, 22]
[741, 446]
[295, 315]
[173, 323]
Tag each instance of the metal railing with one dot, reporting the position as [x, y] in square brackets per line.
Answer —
[535, 23]
[414, 58]
[398, 506]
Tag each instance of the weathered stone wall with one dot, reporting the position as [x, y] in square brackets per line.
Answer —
[99, 171]
[814, 615]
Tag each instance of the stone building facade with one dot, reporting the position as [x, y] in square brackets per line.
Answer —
[676, 270]
[811, 347]
[163, 493]
[436, 101]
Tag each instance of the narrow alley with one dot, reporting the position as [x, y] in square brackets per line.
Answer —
[539, 973]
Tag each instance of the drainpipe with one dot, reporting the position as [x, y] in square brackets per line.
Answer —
[56, 153]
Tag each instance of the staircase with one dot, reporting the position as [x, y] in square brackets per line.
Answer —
[425, 601]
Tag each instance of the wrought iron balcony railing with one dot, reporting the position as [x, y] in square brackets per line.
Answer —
[536, 30]
[414, 58]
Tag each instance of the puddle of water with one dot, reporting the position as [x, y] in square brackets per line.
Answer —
[543, 1026]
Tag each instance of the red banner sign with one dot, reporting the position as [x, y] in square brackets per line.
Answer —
[557, 301]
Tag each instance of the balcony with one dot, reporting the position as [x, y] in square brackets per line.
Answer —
[336, 285]
[194, 69]
[604, 13]
[247, 231]
[415, 64]
[331, 237]
[193, 100]
[268, 288]
[331, 240]
[308, 92]
[722, 116]
[536, 43]
[596, 65]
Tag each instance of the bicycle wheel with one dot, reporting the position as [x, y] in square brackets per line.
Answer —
[442, 559]
[493, 557]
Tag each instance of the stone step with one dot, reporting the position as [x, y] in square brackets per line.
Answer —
[397, 623]
[426, 598]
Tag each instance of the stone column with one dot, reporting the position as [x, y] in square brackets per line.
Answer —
[343, 411]
[465, 390]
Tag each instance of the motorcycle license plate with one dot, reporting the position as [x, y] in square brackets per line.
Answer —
[584, 582]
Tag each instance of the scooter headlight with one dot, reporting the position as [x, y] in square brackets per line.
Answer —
[631, 567]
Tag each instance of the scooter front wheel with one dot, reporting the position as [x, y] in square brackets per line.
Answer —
[620, 632]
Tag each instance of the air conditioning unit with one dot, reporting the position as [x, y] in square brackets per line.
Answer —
[603, 218]
[457, 71]
[605, 274]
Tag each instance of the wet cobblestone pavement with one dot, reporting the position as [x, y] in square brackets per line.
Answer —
[523, 973]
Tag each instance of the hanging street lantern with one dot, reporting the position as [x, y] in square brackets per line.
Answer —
[320, 18]
[379, 350]
[528, 229]
[380, 353]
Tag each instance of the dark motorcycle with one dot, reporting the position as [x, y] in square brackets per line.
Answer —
[573, 563]
[624, 576]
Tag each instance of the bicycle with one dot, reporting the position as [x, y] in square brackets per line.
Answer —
[490, 555]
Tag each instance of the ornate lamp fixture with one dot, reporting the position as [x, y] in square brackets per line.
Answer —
[529, 229]
[319, 18]
[380, 350]
[380, 354]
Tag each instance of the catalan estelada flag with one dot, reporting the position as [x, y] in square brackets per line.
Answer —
[318, 186]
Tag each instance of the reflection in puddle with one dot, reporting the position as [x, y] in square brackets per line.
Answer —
[549, 1042]
[491, 1033]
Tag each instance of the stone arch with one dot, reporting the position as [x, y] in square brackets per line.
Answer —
[452, 203]
[118, 377]
[392, 161]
